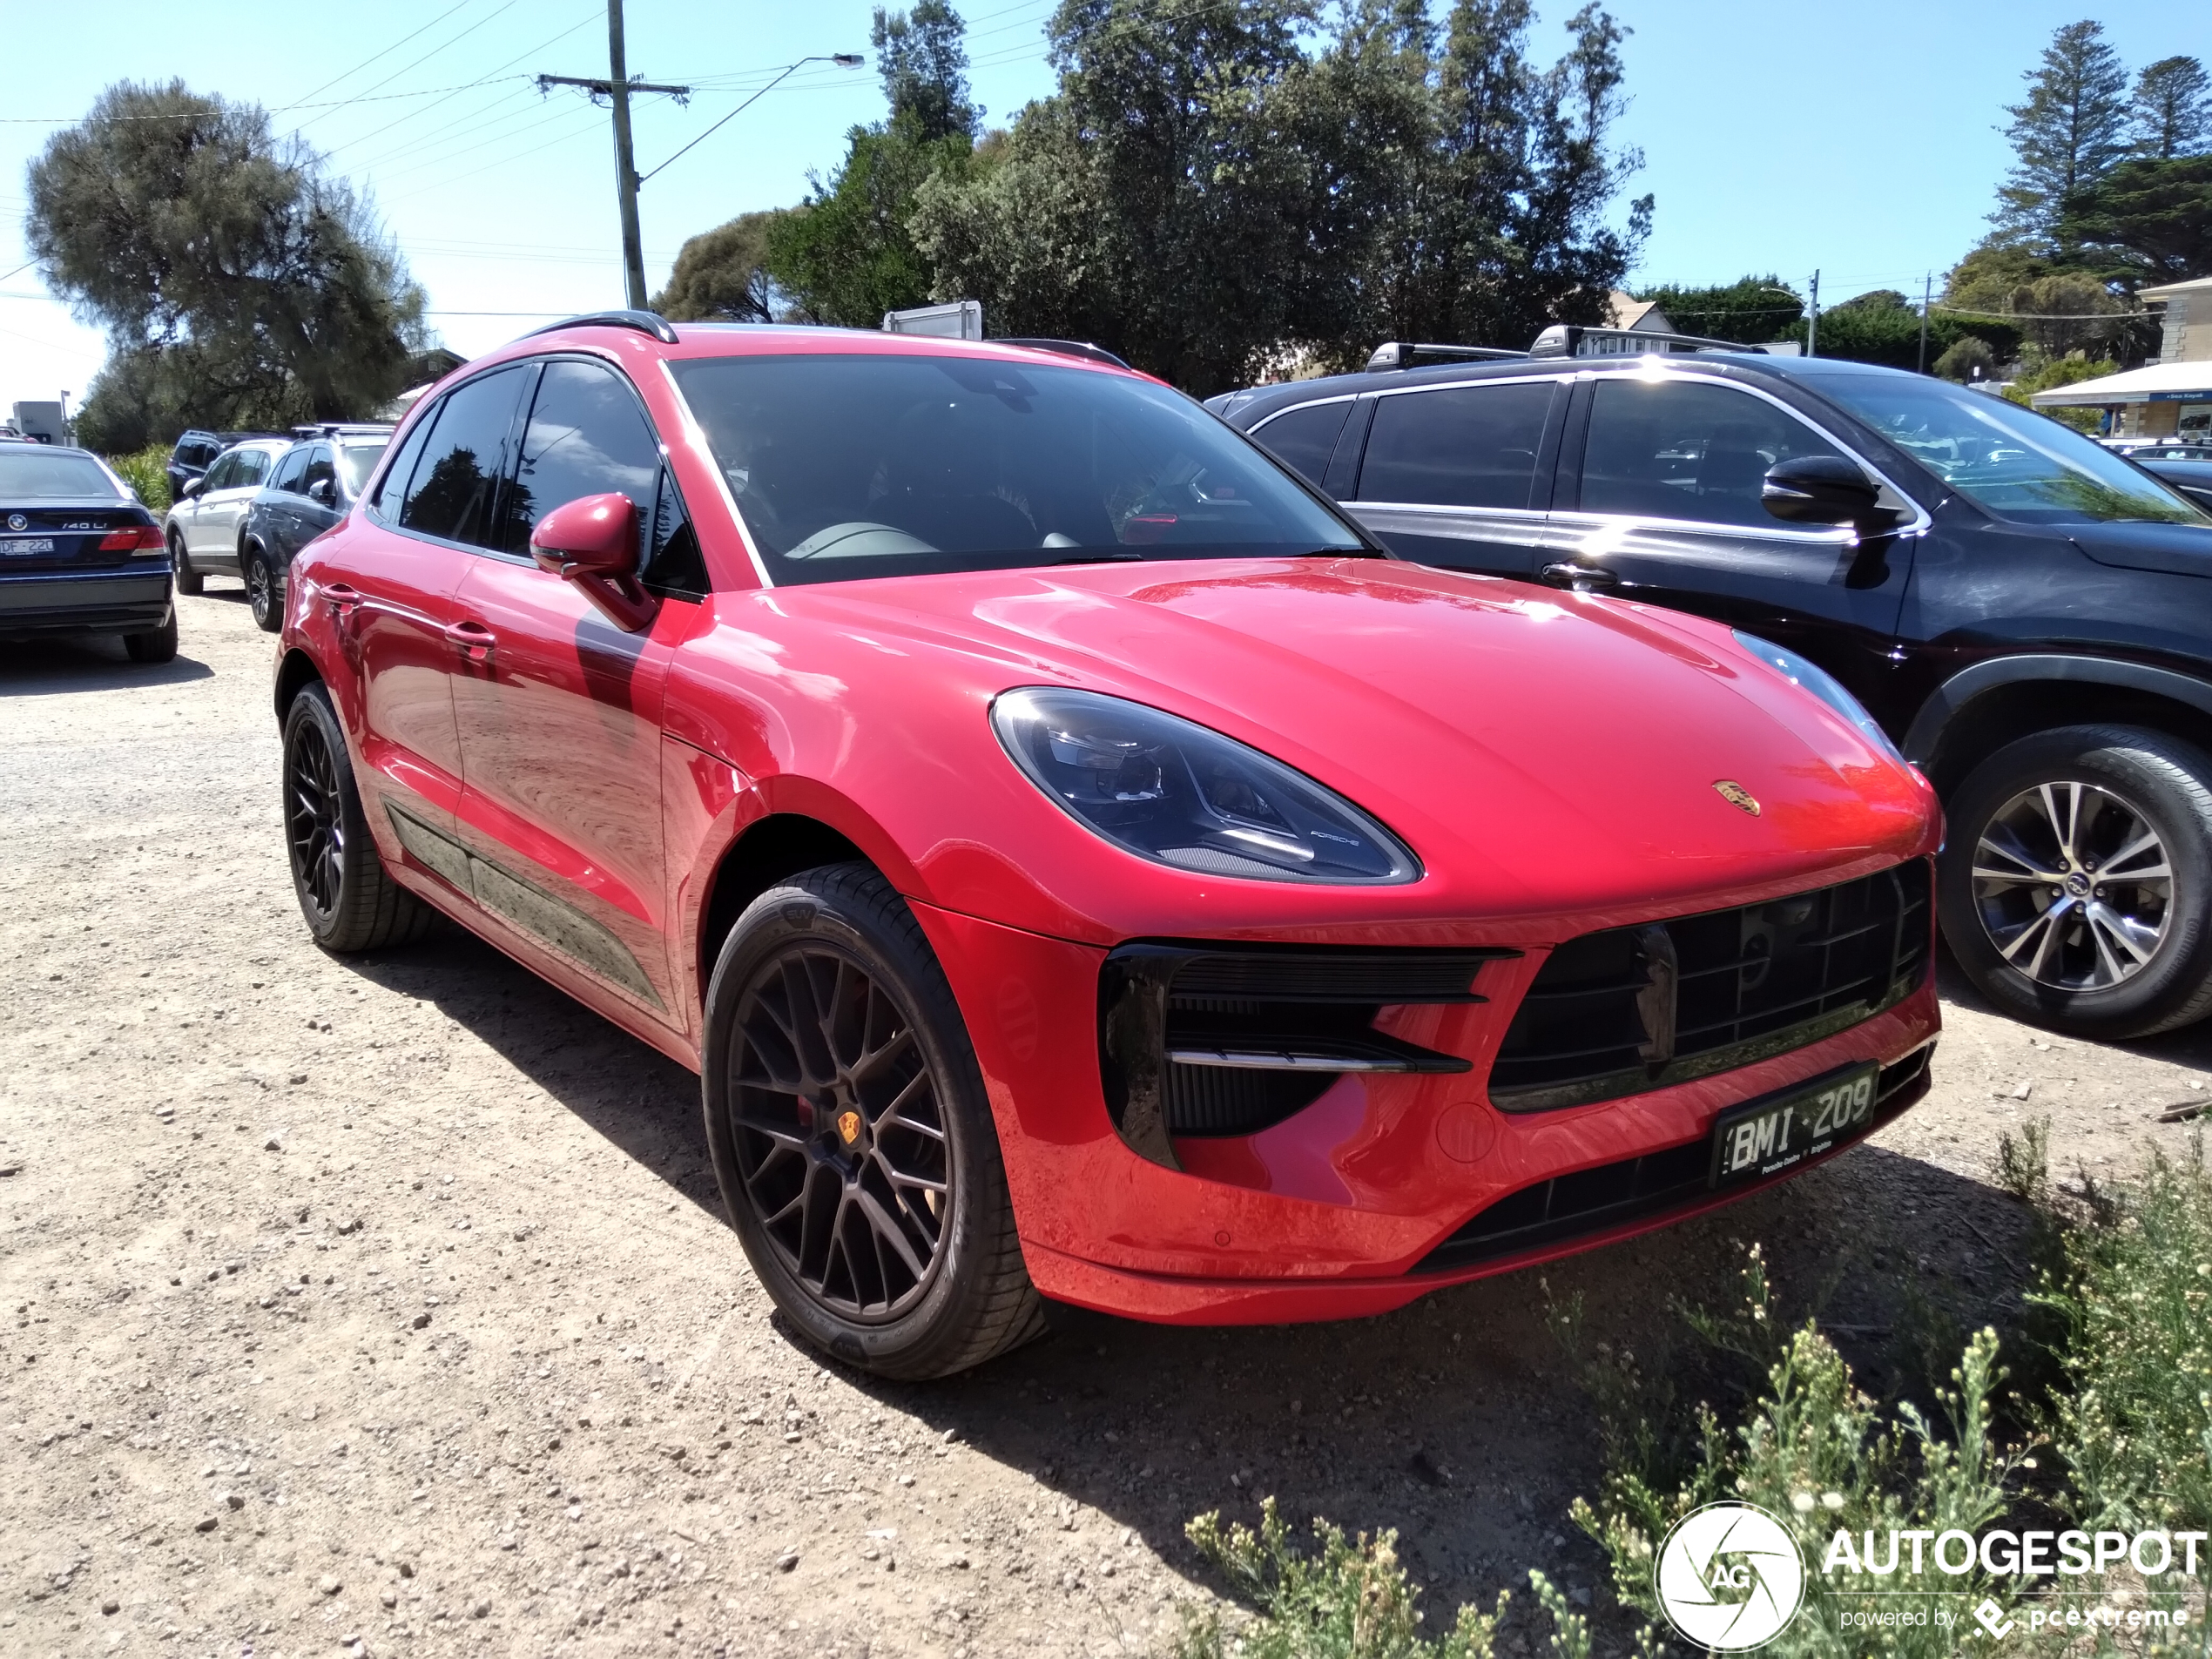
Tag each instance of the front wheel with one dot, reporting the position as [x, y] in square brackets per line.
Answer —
[349, 900]
[262, 595]
[852, 1135]
[2076, 887]
[189, 581]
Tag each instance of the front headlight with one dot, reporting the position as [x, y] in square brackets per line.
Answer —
[1179, 795]
[1821, 684]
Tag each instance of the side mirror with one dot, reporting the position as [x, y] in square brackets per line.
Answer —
[593, 542]
[322, 492]
[192, 487]
[1822, 489]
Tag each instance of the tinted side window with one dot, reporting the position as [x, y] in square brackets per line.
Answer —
[289, 469]
[218, 475]
[251, 464]
[454, 491]
[321, 469]
[1304, 439]
[1687, 449]
[392, 490]
[586, 437]
[1462, 446]
[673, 563]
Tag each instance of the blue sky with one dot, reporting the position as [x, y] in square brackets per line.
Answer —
[1863, 140]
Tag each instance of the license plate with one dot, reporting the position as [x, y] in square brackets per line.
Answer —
[1770, 1135]
[22, 545]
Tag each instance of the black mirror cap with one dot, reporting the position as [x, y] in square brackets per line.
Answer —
[1822, 489]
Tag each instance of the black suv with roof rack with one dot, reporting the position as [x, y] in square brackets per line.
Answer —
[313, 487]
[2027, 614]
[195, 451]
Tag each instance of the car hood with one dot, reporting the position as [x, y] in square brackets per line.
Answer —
[2178, 549]
[1536, 748]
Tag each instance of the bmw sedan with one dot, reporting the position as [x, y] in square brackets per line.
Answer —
[79, 554]
[1081, 863]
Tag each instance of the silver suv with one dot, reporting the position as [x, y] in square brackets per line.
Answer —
[203, 527]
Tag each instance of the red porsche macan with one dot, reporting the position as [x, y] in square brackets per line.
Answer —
[1079, 863]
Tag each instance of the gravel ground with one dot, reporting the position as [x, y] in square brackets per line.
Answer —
[388, 1302]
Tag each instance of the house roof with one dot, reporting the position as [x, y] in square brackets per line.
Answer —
[1629, 312]
[2155, 381]
[2194, 285]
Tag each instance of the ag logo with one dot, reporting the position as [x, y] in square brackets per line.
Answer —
[1729, 1577]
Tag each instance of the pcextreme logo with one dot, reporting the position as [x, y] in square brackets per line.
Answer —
[1729, 1577]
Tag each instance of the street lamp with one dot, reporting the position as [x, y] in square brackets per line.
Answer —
[843, 60]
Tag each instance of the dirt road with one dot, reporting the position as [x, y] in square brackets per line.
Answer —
[389, 1302]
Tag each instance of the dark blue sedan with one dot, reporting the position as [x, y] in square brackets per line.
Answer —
[80, 555]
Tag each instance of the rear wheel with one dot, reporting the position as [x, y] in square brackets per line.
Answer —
[852, 1135]
[159, 645]
[349, 900]
[188, 580]
[261, 594]
[2076, 888]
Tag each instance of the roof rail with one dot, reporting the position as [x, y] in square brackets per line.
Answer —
[646, 322]
[1067, 349]
[1406, 354]
[1574, 339]
[341, 429]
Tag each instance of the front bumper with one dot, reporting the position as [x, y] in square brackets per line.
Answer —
[69, 601]
[1340, 1210]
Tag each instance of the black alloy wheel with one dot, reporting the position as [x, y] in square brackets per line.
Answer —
[262, 595]
[852, 1135]
[349, 900]
[189, 581]
[2076, 886]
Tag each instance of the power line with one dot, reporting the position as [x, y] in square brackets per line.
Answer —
[389, 50]
[488, 78]
[428, 56]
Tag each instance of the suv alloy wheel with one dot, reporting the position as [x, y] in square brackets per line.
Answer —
[189, 581]
[2076, 888]
[261, 593]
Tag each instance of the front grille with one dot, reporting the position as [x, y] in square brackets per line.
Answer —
[1588, 1201]
[1635, 1008]
[1199, 1039]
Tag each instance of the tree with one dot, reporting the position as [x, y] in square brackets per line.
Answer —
[238, 283]
[922, 57]
[2172, 113]
[721, 275]
[1752, 310]
[1968, 358]
[2065, 134]
[847, 254]
[1208, 199]
[2150, 220]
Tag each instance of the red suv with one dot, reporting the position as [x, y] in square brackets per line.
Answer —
[1080, 862]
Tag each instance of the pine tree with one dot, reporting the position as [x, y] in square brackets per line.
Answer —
[2066, 134]
[922, 56]
[2172, 109]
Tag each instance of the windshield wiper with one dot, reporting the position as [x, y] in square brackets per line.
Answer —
[1102, 557]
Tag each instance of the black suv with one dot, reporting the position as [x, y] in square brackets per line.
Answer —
[2028, 614]
[312, 487]
[195, 451]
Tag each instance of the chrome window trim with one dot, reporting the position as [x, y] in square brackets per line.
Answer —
[1648, 370]
[1536, 514]
[1293, 409]
[1553, 378]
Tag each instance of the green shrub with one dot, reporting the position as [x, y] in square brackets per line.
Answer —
[146, 471]
[2133, 1420]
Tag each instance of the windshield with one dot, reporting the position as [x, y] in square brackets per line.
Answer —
[357, 461]
[847, 467]
[2018, 464]
[33, 473]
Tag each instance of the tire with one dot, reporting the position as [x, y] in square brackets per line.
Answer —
[349, 900]
[189, 581]
[157, 645]
[816, 1141]
[263, 596]
[2130, 952]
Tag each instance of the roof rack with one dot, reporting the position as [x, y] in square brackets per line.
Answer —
[646, 322]
[1405, 353]
[1067, 349]
[343, 429]
[1574, 339]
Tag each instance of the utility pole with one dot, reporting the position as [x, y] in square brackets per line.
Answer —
[1812, 323]
[1927, 298]
[617, 87]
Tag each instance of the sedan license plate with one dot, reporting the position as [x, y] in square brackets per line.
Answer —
[26, 544]
[1770, 1135]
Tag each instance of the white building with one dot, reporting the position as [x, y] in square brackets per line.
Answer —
[2171, 397]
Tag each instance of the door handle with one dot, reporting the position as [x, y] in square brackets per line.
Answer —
[474, 640]
[1581, 577]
